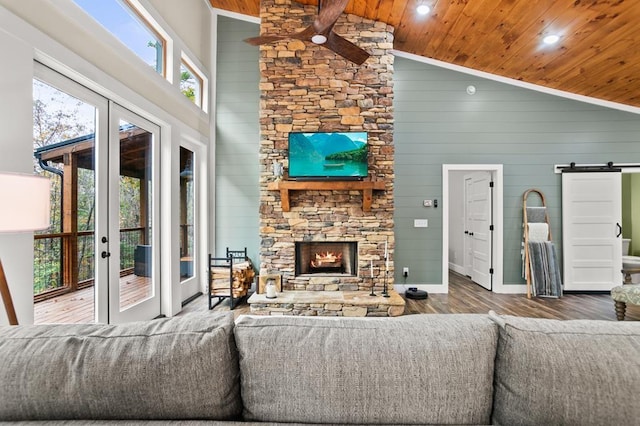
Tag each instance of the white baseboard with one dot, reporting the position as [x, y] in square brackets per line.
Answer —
[429, 288]
[456, 268]
[510, 289]
[442, 289]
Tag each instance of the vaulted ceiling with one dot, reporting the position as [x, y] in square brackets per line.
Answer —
[598, 54]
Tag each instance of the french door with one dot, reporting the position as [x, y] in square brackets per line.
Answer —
[132, 180]
[106, 244]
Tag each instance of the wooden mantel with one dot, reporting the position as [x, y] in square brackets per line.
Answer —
[367, 187]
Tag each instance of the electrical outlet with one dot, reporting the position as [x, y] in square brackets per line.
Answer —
[405, 271]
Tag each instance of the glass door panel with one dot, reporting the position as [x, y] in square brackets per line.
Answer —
[187, 214]
[134, 290]
[66, 128]
[135, 221]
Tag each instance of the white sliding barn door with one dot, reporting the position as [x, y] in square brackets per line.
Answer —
[591, 230]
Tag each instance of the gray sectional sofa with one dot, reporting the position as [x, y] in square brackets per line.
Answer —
[418, 369]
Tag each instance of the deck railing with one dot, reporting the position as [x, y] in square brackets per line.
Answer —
[50, 267]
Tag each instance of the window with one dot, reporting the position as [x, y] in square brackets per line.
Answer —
[191, 81]
[187, 213]
[128, 24]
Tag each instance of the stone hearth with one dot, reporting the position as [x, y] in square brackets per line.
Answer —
[308, 88]
[329, 303]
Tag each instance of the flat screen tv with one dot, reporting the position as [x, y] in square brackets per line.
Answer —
[324, 155]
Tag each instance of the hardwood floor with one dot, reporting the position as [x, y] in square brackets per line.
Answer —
[467, 297]
[464, 297]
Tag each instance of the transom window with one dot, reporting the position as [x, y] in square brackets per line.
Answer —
[127, 23]
[191, 81]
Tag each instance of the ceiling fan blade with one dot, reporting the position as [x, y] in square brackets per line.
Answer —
[346, 49]
[264, 39]
[305, 34]
[257, 41]
[328, 14]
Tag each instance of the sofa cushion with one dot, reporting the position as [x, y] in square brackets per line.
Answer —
[579, 372]
[180, 368]
[425, 369]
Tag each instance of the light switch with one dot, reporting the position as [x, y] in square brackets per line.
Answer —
[420, 223]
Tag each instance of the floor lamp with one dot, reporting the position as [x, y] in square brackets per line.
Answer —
[25, 207]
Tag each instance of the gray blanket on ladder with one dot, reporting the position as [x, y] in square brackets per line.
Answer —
[545, 271]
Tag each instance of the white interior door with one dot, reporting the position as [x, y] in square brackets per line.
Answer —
[468, 228]
[134, 279]
[591, 230]
[480, 204]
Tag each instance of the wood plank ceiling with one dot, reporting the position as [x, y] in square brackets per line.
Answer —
[598, 54]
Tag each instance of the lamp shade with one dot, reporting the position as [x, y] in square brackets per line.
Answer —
[24, 201]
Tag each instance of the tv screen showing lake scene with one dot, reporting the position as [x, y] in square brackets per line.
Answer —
[328, 155]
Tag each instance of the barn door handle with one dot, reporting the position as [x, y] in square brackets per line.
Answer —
[466, 232]
[471, 233]
[619, 230]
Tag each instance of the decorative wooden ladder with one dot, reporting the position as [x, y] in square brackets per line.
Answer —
[525, 223]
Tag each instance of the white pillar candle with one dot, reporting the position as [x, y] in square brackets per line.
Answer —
[386, 255]
[271, 290]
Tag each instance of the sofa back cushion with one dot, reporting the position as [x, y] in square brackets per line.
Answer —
[180, 368]
[579, 372]
[425, 369]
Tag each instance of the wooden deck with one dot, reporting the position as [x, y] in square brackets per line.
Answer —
[464, 297]
[78, 307]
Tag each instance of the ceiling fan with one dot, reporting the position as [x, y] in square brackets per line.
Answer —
[321, 33]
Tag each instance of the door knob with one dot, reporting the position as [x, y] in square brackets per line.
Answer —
[105, 254]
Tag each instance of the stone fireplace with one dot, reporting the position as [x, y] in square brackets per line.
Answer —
[307, 88]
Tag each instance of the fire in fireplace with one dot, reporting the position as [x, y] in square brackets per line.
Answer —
[326, 262]
[331, 258]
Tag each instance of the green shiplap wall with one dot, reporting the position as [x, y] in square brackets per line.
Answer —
[627, 223]
[634, 214]
[437, 123]
[237, 139]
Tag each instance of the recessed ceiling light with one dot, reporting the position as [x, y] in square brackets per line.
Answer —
[319, 39]
[551, 39]
[423, 9]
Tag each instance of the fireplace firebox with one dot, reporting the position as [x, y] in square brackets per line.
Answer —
[326, 258]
